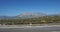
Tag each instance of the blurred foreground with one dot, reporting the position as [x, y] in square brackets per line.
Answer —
[17, 28]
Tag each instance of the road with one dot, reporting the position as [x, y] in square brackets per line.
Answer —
[32, 29]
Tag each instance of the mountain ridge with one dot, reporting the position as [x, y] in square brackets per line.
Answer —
[24, 15]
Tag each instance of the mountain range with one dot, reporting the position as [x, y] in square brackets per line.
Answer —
[26, 15]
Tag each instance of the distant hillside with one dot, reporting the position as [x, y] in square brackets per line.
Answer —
[24, 19]
[4, 17]
[31, 15]
[24, 15]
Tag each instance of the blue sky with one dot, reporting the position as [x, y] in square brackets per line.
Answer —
[16, 7]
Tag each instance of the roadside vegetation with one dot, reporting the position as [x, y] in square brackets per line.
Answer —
[39, 20]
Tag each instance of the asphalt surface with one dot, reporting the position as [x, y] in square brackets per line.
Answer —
[31, 29]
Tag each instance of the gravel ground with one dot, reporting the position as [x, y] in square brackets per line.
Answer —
[17, 28]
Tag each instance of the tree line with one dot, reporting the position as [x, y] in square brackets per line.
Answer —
[39, 20]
